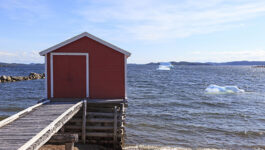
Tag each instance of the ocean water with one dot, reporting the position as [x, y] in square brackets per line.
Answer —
[16, 96]
[171, 108]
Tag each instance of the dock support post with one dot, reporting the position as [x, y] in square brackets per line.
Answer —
[115, 128]
[69, 146]
[67, 139]
[84, 121]
[122, 113]
[122, 117]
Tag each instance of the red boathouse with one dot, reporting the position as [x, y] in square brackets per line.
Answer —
[85, 67]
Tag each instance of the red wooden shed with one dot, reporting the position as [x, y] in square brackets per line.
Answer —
[85, 67]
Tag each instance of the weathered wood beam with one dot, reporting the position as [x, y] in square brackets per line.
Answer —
[100, 109]
[99, 134]
[105, 101]
[100, 141]
[63, 138]
[84, 122]
[100, 127]
[96, 120]
[104, 120]
[42, 137]
[76, 127]
[100, 121]
[21, 113]
[100, 114]
[115, 128]
[69, 146]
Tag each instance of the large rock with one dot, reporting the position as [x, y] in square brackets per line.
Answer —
[3, 77]
[18, 78]
[33, 75]
[8, 78]
[38, 76]
[43, 75]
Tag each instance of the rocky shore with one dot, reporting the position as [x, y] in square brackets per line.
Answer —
[262, 66]
[31, 76]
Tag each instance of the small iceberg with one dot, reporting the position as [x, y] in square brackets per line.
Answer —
[215, 89]
[165, 66]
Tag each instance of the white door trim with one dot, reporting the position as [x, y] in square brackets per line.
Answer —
[73, 54]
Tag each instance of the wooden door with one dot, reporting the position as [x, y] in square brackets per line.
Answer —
[70, 76]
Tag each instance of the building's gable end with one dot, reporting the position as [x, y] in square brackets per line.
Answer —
[85, 34]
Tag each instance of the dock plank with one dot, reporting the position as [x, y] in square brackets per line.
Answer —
[15, 134]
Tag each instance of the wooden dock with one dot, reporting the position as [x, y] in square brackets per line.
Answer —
[98, 122]
[101, 122]
[33, 127]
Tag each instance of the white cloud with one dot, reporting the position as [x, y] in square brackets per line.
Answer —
[21, 57]
[156, 20]
[6, 54]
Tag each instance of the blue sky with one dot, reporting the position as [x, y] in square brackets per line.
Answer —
[152, 30]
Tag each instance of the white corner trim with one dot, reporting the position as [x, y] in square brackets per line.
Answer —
[46, 80]
[125, 78]
[71, 54]
[51, 74]
[42, 53]
[87, 75]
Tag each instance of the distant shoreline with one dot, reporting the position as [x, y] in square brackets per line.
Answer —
[18, 64]
[231, 63]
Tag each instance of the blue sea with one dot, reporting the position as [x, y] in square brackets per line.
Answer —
[171, 108]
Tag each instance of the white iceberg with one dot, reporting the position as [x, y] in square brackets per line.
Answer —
[215, 89]
[165, 66]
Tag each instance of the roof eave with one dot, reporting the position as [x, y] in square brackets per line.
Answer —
[42, 53]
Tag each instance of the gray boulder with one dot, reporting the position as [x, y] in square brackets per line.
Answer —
[43, 75]
[18, 78]
[3, 77]
[8, 78]
[33, 75]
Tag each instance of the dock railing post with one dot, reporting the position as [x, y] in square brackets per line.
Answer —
[84, 121]
[115, 128]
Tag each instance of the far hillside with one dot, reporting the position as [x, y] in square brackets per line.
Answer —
[232, 63]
